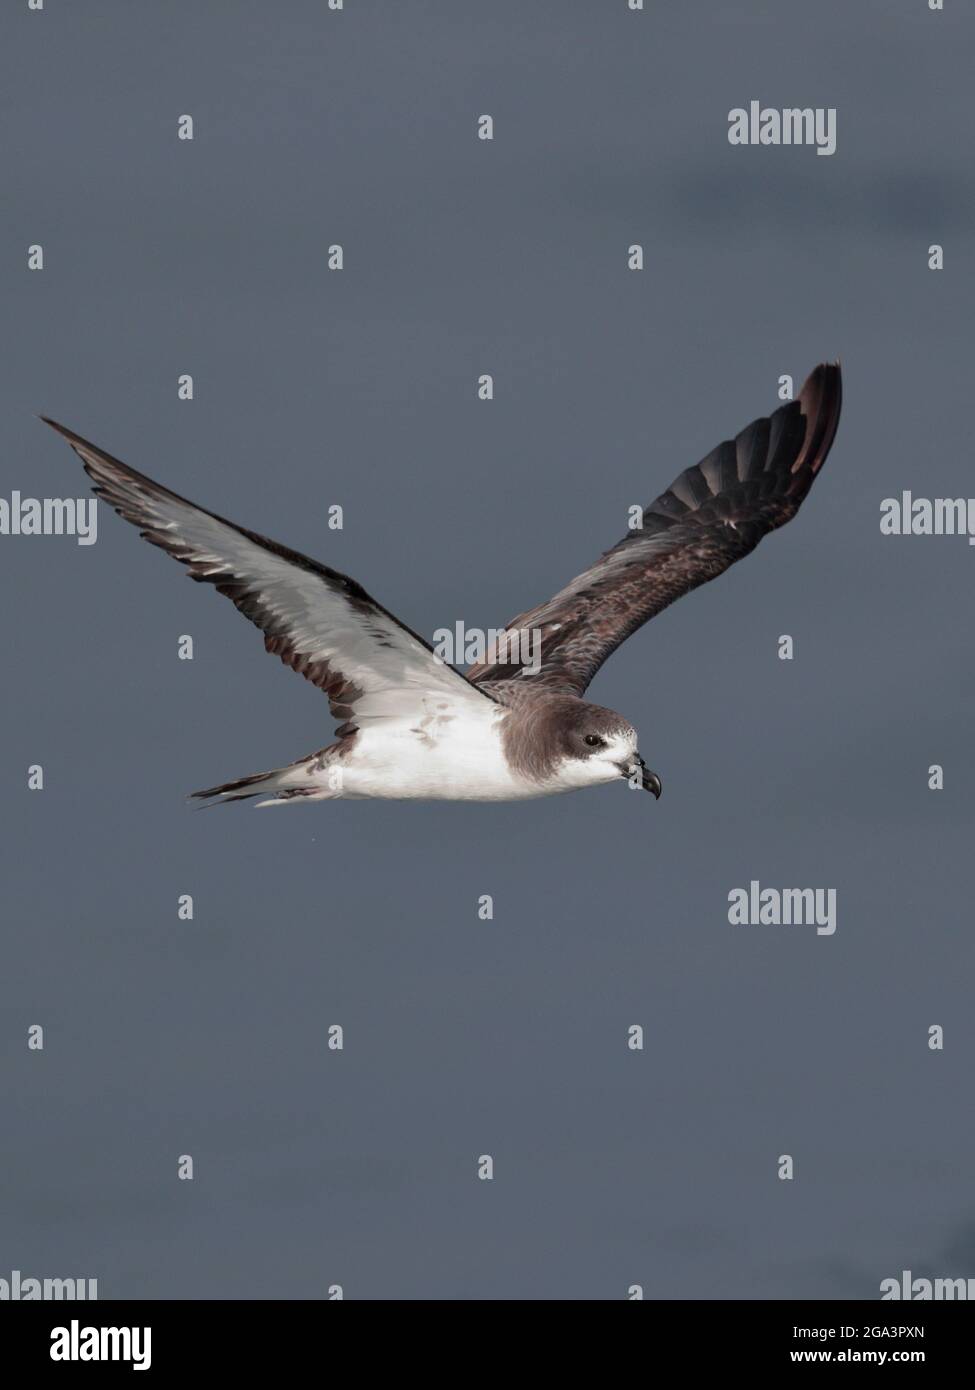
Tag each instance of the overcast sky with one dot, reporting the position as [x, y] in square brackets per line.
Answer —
[313, 388]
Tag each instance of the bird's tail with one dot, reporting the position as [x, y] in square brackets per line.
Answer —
[307, 779]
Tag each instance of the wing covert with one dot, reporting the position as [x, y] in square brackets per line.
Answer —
[711, 515]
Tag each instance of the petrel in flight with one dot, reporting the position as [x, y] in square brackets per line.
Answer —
[415, 728]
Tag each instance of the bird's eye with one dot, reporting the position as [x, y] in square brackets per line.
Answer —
[593, 740]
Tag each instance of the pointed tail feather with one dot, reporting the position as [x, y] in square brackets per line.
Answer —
[295, 782]
[233, 791]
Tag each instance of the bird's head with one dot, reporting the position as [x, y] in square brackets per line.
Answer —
[598, 745]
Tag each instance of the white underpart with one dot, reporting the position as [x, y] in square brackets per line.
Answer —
[456, 757]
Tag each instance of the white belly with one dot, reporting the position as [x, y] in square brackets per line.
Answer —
[457, 760]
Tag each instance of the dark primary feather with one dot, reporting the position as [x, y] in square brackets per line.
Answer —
[709, 517]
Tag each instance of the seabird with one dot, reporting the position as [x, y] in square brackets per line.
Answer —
[413, 726]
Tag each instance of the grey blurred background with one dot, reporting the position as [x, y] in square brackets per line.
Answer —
[463, 1037]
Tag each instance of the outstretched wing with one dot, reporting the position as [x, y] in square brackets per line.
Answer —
[709, 517]
[319, 622]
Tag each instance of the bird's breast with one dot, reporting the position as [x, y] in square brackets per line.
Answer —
[451, 758]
